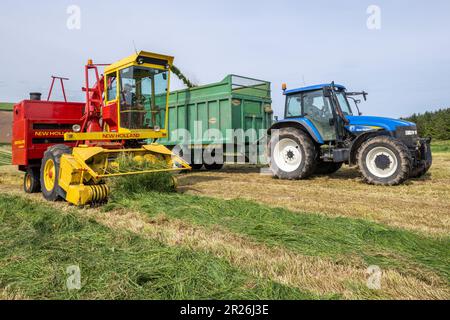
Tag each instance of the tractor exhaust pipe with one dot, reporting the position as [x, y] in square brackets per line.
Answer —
[35, 96]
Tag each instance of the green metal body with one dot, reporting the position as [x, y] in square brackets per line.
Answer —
[233, 104]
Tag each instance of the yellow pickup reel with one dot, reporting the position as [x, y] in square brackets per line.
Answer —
[133, 108]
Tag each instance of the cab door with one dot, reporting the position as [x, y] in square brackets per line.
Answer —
[317, 108]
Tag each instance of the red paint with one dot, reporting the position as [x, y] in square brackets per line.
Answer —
[39, 124]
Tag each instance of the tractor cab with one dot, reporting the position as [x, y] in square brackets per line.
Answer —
[325, 107]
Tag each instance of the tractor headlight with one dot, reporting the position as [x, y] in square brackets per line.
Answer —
[157, 129]
[76, 128]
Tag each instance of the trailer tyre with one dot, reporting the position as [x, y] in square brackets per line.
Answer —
[197, 166]
[214, 166]
[31, 181]
[50, 172]
[384, 161]
[292, 154]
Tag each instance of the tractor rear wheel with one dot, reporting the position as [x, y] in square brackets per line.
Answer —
[385, 161]
[327, 167]
[292, 154]
[50, 172]
[31, 181]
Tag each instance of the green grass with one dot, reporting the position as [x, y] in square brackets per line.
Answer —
[131, 184]
[5, 106]
[5, 157]
[38, 243]
[440, 146]
[305, 233]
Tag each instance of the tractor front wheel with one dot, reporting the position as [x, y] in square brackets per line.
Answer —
[384, 161]
[31, 181]
[50, 172]
[292, 154]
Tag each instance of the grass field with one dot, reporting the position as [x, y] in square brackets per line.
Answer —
[5, 106]
[234, 234]
[5, 155]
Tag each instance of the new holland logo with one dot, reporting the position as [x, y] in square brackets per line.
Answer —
[117, 136]
[48, 133]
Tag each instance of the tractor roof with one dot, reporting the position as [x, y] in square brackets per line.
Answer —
[312, 88]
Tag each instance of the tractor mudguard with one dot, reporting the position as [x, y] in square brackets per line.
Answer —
[302, 124]
[361, 139]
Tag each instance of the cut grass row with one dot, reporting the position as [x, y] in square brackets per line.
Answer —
[38, 243]
[304, 233]
[5, 158]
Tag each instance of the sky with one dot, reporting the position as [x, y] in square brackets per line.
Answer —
[402, 58]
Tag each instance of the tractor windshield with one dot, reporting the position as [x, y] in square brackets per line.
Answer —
[343, 103]
[143, 98]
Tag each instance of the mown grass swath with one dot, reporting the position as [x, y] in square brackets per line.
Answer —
[38, 243]
[305, 233]
[5, 157]
[130, 184]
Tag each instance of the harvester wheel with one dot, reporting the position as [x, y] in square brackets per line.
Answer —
[384, 161]
[50, 172]
[292, 154]
[31, 181]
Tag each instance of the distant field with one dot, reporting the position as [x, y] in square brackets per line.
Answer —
[440, 146]
[6, 106]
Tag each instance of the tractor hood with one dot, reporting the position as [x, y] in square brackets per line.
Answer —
[368, 123]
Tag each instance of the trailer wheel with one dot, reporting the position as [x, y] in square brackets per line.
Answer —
[292, 154]
[197, 166]
[385, 161]
[31, 181]
[214, 166]
[50, 172]
[327, 167]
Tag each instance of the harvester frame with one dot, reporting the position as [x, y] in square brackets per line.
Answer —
[67, 149]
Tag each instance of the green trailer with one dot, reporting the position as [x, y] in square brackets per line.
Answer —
[220, 122]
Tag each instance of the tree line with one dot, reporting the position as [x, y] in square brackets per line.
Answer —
[434, 124]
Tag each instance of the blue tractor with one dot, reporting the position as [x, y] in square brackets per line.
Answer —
[321, 132]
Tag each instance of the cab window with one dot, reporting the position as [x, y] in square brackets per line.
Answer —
[111, 82]
[294, 106]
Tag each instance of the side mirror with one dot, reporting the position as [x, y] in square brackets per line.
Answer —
[275, 118]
